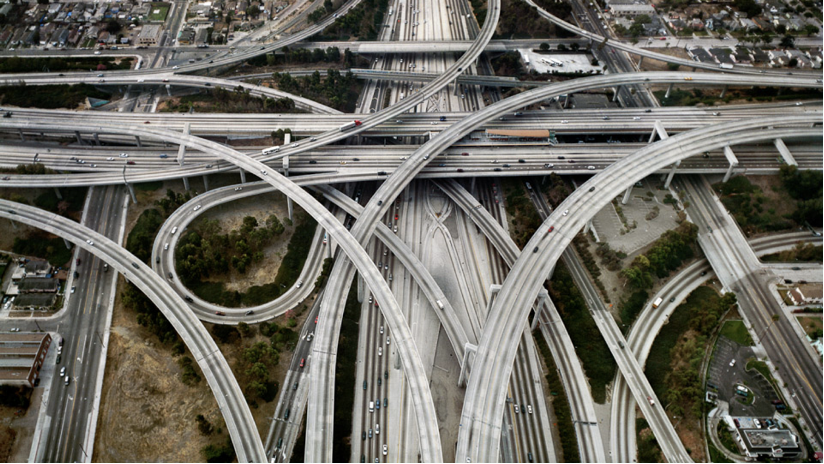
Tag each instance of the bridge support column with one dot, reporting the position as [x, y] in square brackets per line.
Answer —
[468, 348]
[97, 139]
[669, 91]
[289, 207]
[733, 160]
[671, 174]
[22, 137]
[242, 176]
[181, 150]
[13, 224]
[539, 306]
[615, 96]
[626, 195]
[785, 152]
[79, 139]
[57, 193]
[205, 182]
[723, 92]
[566, 101]
[65, 242]
[472, 185]
[360, 289]
[186, 183]
[641, 62]
[131, 192]
[137, 139]
[588, 226]
[169, 90]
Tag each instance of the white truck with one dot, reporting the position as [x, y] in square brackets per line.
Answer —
[438, 302]
[657, 302]
[350, 125]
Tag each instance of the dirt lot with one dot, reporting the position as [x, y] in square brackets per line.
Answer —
[261, 207]
[146, 413]
[777, 196]
[810, 324]
[655, 65]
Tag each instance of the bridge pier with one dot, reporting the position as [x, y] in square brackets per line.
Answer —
[206, 182]
[468, 348]
[79, 139]
[289, 207]
[671, 174]
[615, 96]
[22, 137]
[131, 192]
[588, 226]
[733, 160]
[57, 193]
[627, 194]
[641, 62]
[14, 224]
[669, 91]
[65, 241]
[242, 176]
[186, 183]
[96, 139]
[539, 306]
[360, 289]
[723, 92]
[181, 150]
[137, 139]
[472, 185]
[169, 90]
[785, 152]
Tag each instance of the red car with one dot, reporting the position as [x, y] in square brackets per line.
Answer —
[551, 228]
[464, 154]
[396, 217]
[220, 313]
[316, 319]
[130, 162]
[302, 362]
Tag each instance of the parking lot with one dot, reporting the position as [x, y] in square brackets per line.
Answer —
[727, 377]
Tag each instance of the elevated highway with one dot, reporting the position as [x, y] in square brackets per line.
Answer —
[484, 399]
[219, 376]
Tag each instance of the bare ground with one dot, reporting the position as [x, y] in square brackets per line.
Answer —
[261, 207]
[810, 324]
[146, 413]
[777, 196]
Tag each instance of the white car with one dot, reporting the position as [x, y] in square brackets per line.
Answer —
[197, 207]
[124, 155]
[74, 288]
[90, 242]
[62, 371]
[732, 363]
[529, 408]
[517, 409]
[111, 158]
[385, 450]
[566, 211]
[300, 282]
[381, 329]
[238, 189]
[380, 351]
[175, 67]
[166, 246]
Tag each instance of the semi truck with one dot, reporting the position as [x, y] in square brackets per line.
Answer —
[350, 125]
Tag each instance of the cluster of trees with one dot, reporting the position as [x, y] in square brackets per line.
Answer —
[748, 205]
[49, 96]
[340, 91]
[238, 100]
[22, 65]
[204, 251]
[582, 247]
[806, 188]
[508, 64]
[560, 404]
[362, 22]
[596, 359]
[805, 252]
[525, 219]
[305, 55]
[610, 258]
[15, 396]
[31, 168]
[43, 245]
[188, 374]
[670, 250]
[256, 363]
[219, 453]
[684, 390]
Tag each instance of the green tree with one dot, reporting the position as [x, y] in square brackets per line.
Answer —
[544, 46]
[253, 11]
[787, 41]
[113, 27]
[810, 29]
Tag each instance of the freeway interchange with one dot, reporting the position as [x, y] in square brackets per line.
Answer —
[485, 329]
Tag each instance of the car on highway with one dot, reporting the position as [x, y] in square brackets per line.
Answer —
[15, 329]
[385, 450]
[111, 158]
[62, 371]
[566, 211]
[90, 242]
[196, 208]
[67, 381]
[124, 155]
[6, 177]
[551, 228]
[380, 351]
[651, 401]
[189, 299]
[302, 362]
[238, 189]
[163, 156]
[529, 408]
[220, 313]
[300, 282]
[517, 409]
[74, 288]
[131, 163]
[171, 277]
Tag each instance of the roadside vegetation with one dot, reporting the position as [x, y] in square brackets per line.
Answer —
[676, 356]
[26, 65]
[239, 100]
[205, 253]
[648, 449]
[737, 332]
[43, 245]
[345, 387]
[696, 96]
[49, 96]
[802, 252]
[525, 219]
[362, 22]
[596, 358]
[340, 91]
[560, 404]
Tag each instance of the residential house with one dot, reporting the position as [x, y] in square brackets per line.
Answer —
[742, 55]
[700, 55]
[103, 37]
[747, 24]
[186, 37]
[803, 61]
[722, 55]
[778, 58]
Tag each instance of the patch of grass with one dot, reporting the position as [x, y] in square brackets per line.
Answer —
[762, 368]
[345, 387]
[560, 403]
[737, 332]
[142, 236]
[23, 65]
[72, 201]
[811, 325]
[162, 11]
[231, 101]
[726, 438]
[802, 252]
[596, 358]
[750, 207]
[801, 432]
[648, 449]
[716, 455]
